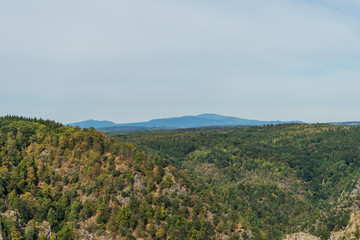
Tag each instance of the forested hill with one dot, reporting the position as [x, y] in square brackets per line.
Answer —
[278, 179]
[60, 182]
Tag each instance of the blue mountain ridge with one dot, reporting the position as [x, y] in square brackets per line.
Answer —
[93, 123]
[202, 120]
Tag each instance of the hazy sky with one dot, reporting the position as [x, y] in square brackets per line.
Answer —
[134, 60]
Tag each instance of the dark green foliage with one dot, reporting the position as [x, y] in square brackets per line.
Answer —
[66, 233]
[71, 179]
[277, 178]
[266, 180]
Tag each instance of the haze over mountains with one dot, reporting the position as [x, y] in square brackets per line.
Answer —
[352, 123]
[93, 123]
[203, 120]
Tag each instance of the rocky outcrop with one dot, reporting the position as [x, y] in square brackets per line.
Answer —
[176, 187]
[352, 231]
[44, 229]
[15, 216]
[300, 236]
[138, 185]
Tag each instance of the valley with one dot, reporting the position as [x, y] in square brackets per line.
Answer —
[258, 182]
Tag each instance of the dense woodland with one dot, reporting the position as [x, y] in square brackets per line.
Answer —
[276, 179]
[60, 182]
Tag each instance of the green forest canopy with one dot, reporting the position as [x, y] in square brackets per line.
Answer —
[242, 182]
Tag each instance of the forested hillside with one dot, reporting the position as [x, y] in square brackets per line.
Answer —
[276, 179]
[60, 182]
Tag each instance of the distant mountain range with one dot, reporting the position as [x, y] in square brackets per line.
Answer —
[354, 123]
[93, 123]
[203, 120]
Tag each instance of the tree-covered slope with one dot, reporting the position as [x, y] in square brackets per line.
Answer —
[66, 183]
[278, 179]
[214, 183]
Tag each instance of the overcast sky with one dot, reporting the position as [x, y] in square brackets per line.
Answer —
[134, 60]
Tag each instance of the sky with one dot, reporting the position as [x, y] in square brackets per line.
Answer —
[136, 60]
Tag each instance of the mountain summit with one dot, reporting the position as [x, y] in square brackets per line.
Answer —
[93, 123]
